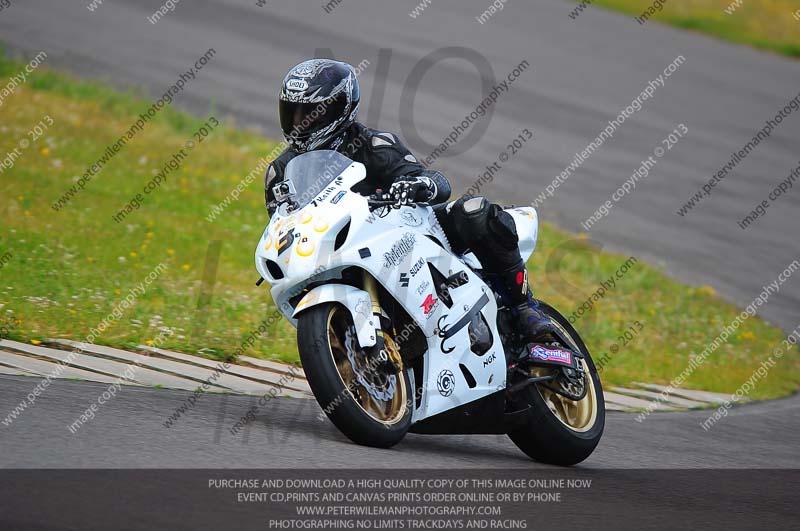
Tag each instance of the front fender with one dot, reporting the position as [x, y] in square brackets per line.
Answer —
[357, 301]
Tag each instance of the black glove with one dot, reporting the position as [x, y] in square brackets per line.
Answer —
[410, 190]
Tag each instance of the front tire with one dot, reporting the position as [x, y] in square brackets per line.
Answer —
[328, 348]
[560, 431]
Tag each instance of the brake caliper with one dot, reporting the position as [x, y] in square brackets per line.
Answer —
[377, 383]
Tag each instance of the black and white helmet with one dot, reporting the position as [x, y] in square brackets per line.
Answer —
[318, 102]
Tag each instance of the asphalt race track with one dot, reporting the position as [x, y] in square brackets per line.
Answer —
[581, 74]
[128, 433]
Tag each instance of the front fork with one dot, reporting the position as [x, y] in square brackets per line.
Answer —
[389, 357]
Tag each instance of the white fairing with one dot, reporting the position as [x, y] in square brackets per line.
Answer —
[396, 247]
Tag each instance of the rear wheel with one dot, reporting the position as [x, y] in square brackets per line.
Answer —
[369, 408]
[561, 431]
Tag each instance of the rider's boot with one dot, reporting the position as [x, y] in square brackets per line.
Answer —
[516, 294]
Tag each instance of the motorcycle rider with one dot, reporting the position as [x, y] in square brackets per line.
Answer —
[318, 105]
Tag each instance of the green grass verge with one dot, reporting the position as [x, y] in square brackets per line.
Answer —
[69, 269]
[766, 24]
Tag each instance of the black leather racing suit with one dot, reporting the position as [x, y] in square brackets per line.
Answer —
[383, 155]
[469, 223]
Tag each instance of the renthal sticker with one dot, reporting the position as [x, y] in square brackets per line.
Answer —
[446, 383]
[338, 197]
[557, 355]
[400, 249]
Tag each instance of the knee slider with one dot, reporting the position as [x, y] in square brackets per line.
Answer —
[468, 218]
[471, 215]
[472, 211]
[484, 223]
[474, 206]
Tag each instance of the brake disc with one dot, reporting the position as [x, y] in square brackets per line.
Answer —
[380, 386]
[571, 386]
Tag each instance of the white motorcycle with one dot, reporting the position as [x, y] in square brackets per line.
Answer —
[366, 284]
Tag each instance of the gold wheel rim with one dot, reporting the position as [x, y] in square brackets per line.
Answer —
[580, 415]
[386, 412]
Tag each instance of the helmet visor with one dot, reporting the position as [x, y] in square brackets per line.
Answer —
[301, 120]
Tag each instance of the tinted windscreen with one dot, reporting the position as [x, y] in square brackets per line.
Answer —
[311, 172]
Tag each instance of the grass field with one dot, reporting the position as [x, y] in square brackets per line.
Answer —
[63, 272]
[767, 24]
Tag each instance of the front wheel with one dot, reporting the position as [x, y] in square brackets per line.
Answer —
[561, 431]
[368, 407]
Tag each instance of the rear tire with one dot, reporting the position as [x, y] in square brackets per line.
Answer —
[554, 434]
[324, 333]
